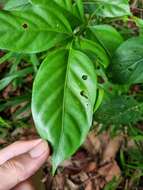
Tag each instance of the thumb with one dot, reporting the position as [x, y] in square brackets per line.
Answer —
[20, 168]
[26, 185]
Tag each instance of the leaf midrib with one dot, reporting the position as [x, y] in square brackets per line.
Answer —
[63, 103]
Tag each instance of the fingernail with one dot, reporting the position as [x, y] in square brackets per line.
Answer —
[39, 149]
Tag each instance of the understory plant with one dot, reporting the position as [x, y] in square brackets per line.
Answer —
[83, 55]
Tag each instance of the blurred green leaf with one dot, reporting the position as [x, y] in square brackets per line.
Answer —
[119, 110]
[108, 8]
[18, 74]
[127, 62]
[14, 101]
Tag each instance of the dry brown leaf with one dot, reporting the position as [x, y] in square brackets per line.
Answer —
[6, 92]
[92, 143]
[91, 167]
[89, 186]
[109, 171]
[97, 182]
[70, 185]
[112, 149]
[2, 141]
[104, 139]
[58, 182]
[79, 178]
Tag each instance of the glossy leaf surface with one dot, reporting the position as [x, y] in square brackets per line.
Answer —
[94, 51]
[64, 94]
[108, 8]
[33, 30]
[108, 37]
[127, 62]
[74, 8]
[13, 4]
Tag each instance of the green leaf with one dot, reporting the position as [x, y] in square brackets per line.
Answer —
[70, 9]
[14, 101]
[78, 9]
[33, 30]
[94, 51]
[108, 8]
[5, 81]
[13, 4]
[107, 36]
[74, 7]
[6, 57]
[63, 99]
[4, 123]
[99, 99]
[67, 4]
[139, 23]
[119, 110]
[127, 62]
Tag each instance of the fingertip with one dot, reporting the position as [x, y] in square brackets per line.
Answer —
[39, 149]
[26, 185]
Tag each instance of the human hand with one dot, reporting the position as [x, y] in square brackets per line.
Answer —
[19, 161]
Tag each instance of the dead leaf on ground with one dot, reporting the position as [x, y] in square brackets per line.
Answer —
[89, 185]
[92, 143]
[109, 171]
[111, 149]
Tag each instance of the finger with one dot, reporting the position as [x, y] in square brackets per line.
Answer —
[17, 148]
[22, 167]
[26, 185]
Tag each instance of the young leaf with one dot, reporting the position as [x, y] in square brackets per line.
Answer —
[33, 30]
[108, 37]
[63, 99]
[94, 51]
[127, 62]
[119, 110]
[108, 8]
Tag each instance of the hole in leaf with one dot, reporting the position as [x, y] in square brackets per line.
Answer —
[82, 93]
[84, 77]
[25, 25]
[100, 80]
[130, 69]
[98, 67]
[135, 51]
